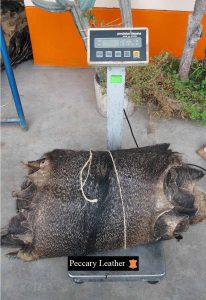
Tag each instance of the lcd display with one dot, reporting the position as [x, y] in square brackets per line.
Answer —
[133, 42]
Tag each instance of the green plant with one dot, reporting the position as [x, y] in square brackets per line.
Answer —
[191, 93]
[159, 87]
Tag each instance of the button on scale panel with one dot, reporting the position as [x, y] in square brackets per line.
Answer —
[111, 54]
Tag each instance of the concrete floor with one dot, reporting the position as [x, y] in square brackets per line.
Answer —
[59, 105]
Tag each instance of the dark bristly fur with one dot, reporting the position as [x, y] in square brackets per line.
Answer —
[54, 219]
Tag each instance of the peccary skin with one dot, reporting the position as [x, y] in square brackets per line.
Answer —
[155, 199]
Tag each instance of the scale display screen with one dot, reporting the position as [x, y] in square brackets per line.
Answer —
[133, 42]
[117, 46]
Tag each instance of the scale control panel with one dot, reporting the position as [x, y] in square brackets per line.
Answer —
[122, 46]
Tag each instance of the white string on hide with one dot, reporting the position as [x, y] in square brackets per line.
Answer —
[123, 208]
[82, 184]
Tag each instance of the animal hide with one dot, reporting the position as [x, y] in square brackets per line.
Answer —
[16, 32]
[78, 202]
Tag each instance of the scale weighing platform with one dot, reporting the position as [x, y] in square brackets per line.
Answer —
[116, 48]
[151, 266]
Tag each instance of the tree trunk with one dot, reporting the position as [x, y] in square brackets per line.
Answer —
[194, 32]
[81, 22]
[126, 12]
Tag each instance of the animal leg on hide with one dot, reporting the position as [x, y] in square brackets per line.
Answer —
[17, 233]
[179, 187]
[35, 165]
[170, 224]
[24, 197]
[179, 237]
[40, 177]
[26, 254]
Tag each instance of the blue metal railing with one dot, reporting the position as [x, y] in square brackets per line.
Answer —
[10, 75]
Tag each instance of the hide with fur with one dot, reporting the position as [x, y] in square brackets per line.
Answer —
[54, 218]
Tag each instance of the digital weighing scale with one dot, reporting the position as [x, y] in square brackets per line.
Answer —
[117, 48]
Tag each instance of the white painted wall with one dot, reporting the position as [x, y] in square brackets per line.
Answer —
[180, 5]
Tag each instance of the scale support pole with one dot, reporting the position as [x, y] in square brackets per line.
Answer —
[115, 106]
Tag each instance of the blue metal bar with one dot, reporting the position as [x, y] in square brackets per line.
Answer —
[10, 121]
[12, 84]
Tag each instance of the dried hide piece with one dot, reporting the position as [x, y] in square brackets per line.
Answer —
[78, 202]
[202, 152]
[16, 32]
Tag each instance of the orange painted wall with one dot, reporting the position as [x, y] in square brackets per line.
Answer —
[56, 41]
